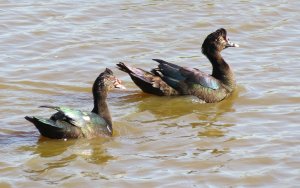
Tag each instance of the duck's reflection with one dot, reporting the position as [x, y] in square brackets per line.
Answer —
[51, 147]
[91, 150]
[170, 111]
[58, 154]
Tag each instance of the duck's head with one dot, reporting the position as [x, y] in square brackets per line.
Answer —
[216, 42]
[106, 81]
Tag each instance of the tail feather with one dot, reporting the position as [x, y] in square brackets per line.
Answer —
[136, 74]
[46, 127]
[52, 129]
[29, 118]
[123, 67]
[143, 79]
[132, 71]
[150, 82]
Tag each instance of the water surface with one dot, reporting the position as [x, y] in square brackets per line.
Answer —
[51, 52]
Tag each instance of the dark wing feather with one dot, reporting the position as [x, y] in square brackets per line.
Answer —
[167, 63]
[171, 71]
[170, 74]
[199, 77]
[72, 116]
[180, 77]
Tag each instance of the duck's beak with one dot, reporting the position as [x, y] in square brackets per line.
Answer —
[231, 44]
[120, 86]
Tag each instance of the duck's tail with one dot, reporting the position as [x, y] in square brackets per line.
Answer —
[145, 80]
[47, 127]
[149, 82]
[125, 68]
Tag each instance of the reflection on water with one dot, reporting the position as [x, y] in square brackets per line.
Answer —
[181, 112]
[49, 148]
[53, 51]
[168, 107]
[59, 154]
[90, 150]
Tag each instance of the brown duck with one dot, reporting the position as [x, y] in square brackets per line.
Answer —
[169, 79]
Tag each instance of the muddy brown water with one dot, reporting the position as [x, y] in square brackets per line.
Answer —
[52, 51]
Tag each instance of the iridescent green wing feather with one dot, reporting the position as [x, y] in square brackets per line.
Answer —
[75, 117]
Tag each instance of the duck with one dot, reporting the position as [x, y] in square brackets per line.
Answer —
[73, 123]
[169, 79]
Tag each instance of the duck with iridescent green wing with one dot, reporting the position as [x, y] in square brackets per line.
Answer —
[72, 123]
[169, 79]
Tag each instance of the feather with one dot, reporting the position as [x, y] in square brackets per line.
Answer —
[149, 82]
[54, 129]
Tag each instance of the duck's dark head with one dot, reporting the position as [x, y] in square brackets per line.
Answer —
[216, 42]
[106, 81]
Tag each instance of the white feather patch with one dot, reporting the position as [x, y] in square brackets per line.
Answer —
[86, 118]
[108, 128]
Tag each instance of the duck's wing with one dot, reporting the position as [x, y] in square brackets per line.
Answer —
[182, 78]
[147, 81]
[198, 77]
[75, 117]
[66, 123]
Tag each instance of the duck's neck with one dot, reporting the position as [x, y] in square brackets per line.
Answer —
[101, 108]
[222, 71]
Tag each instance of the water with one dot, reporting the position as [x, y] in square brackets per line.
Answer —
[52, 51]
